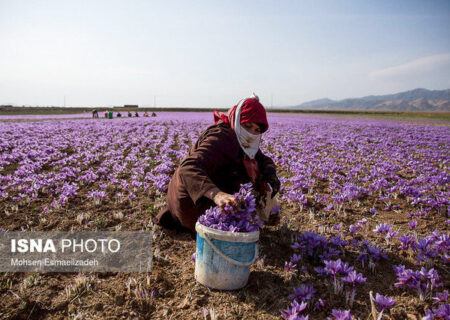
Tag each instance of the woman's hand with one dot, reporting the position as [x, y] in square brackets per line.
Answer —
[221, 199]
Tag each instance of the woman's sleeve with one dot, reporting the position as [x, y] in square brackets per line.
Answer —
[266, 164]
[195, 170]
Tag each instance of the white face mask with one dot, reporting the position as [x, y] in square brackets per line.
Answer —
[249, 142]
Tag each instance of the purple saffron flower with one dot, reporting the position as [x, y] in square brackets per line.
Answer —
[338, 242]
[242, 219]
[353, 229]
[304, 293]
[390, 235]
[293, 312]
[383, 228]
[336, 267]
[340, 315]
[354, 278]
[288, 266]
[384, 302]
[443, 312]
[428, 315]
[423, 281]
[441, 297]
[319, 304]
[310, 244]
[337, 227]
[413, 224]
[406, 241]
[296, 258]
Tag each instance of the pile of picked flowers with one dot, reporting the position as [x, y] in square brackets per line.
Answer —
[242, 218]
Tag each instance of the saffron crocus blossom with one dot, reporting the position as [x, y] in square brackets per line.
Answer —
[234, 219]
[334, 269]
[354, 228]
[442, 312]
[383, 228]
[370, 254]
[352, 280]
[434, 245]
[425, 250]
[319, 304]
[406, 241]
[295, 258]
[97, 195]
[384, 302]
[304, 293]
[412, 224]
[314, 246]
[423, 281]
[288, 266]
[338, 242]
[340, 315]
[294, 311]
[441, 297]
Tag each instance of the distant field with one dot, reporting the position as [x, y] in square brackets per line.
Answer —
[41, 112]
[399, 116]
[442, 116]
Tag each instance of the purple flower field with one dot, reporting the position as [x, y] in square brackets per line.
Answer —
[45, 116]
[364, 206]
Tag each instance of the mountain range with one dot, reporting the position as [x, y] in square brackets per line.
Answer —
[413, 100]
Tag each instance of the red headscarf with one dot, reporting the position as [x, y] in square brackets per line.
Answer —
[251, 111]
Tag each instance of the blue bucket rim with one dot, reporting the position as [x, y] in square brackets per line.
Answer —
[227, 235]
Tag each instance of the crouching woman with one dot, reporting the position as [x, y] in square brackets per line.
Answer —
[225, 156]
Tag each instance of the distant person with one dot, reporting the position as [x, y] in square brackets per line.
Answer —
[153, 114]
[129, 114]
[136, 114]
[119, 115]
[110, 115]
[106, 114]
[145, 114]
[94, 114]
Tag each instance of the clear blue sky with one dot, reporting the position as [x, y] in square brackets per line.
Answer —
[212, 53]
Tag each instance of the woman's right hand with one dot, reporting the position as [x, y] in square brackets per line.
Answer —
[221, 199]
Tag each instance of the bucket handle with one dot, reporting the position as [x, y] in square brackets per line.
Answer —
[232, 261]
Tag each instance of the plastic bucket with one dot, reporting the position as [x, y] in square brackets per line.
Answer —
[223, 258]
